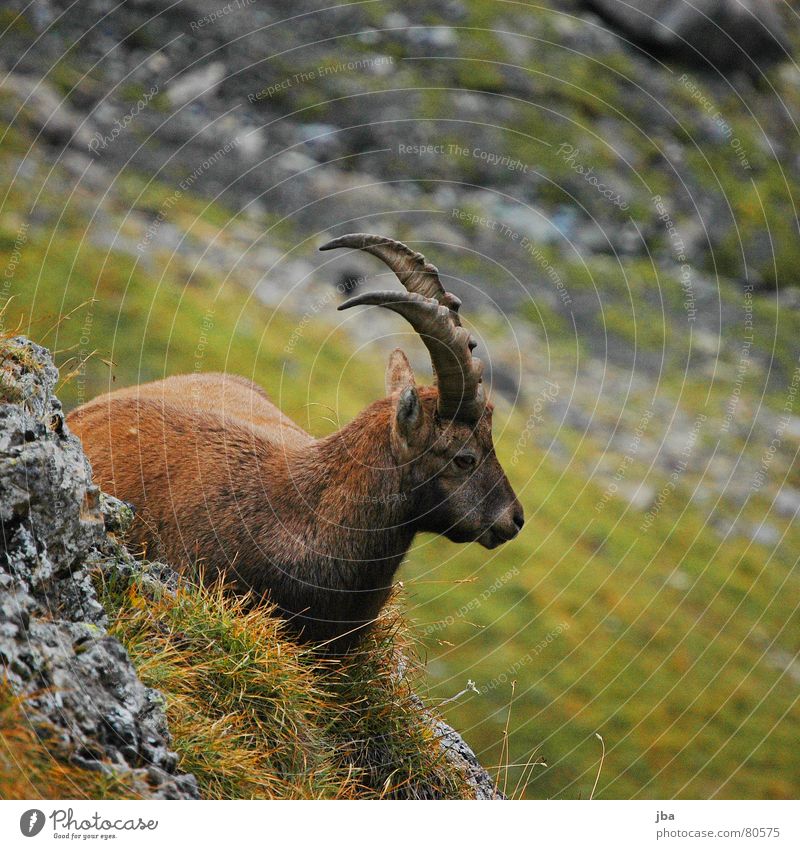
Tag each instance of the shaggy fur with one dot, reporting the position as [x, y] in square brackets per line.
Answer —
[225, 484]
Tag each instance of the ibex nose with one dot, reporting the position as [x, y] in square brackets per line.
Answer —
[510, 523]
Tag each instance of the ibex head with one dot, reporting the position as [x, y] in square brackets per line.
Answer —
[441, 436]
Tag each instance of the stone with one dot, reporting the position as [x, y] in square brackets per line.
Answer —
[787, 501]
[51, 114]
[197, 84]
[721, 34]
[640, 496]
[81, 691]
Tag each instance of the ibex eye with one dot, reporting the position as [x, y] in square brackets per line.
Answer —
[464, 461]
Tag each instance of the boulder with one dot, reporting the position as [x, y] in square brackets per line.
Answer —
[723, 34]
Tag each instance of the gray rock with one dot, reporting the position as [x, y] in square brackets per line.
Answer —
[48, 505]
[640, 496]
[196, 84]
[764, 534]
[81, 690]
[117, 515]
[454, 748]
[679, 580]
[725, 34]
[787, 501]
[51, 114]
[459, 753]
[758, 532]
[793, 427]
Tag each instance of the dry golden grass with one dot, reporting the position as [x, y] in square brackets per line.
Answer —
[254, 715]
[29, 769]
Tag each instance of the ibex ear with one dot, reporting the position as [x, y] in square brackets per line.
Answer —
[398, 372]
[408, 414]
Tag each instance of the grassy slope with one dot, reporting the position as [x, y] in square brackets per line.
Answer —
[676, 680]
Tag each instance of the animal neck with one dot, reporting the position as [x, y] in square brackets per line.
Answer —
[355, 491]
[343, 525]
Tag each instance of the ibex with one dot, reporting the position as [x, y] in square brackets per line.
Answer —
[221, 478]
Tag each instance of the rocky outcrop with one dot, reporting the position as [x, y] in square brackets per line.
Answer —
[461, 755]
[80, 689]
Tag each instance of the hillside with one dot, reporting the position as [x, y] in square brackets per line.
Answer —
[648, 418]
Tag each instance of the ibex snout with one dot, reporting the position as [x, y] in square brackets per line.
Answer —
[505, 527]
[510, 522]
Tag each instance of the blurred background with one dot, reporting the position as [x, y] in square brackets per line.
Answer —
[611, 190]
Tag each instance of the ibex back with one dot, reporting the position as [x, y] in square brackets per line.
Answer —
[222, 480]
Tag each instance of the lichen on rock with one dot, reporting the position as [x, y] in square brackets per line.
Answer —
[80, 689]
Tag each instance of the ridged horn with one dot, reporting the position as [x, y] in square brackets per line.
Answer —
[412, 269]
[458, 373]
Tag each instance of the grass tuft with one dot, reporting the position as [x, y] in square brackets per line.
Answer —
[254, 715]
[15, 360]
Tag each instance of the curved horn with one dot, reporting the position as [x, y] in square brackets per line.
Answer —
[412, 269]
[458, 373]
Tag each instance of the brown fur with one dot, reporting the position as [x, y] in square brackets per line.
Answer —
[223, 482]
